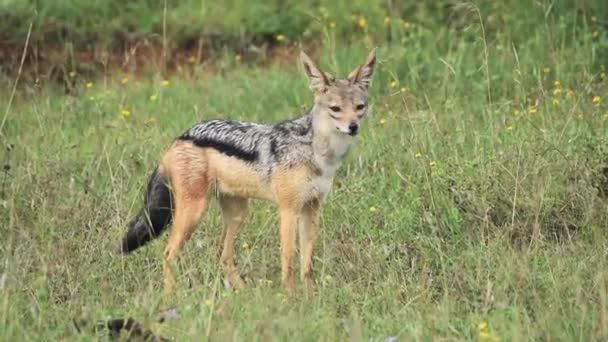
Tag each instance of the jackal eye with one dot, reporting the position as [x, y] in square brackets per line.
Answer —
[335, 108]
[360, 106]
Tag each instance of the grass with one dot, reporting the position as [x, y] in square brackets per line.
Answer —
[475, 193]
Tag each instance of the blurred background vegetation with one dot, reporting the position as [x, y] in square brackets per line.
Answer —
[93, 35]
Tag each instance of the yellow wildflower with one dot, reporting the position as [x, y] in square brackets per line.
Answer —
[89, 84]
[387, 20]
[516, 112]
[209, 302]
[569, 94]
[532, 109]
[606, 116]
[324, 12]
[373, 209]
[382, 121]
[482, 325]
[245, 245]
[546, 70]
[362, 22]
[125, 113]
[557, 84]
[418, 155]
[485, 335]
[406, 25]
[124, 80]
[328, 277]
[433, 163]
[153, 98]
[393, 84]
[595, 34]
[332, 25]
[166, 83]
[510, 128]
[593, 18]
[557, 91]
[72, 73]
[555, 102]
[403, 89]
[280, 37]
[596, 100]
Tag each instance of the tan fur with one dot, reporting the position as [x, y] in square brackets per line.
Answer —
[195, 172]
[308, 233]
[234, 210]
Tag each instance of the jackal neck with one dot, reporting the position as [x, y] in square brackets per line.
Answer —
[329, 146]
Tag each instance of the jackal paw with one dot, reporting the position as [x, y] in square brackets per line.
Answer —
[234, 282]
[309, 285]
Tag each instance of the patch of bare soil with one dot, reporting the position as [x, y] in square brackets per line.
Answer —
[55, 62]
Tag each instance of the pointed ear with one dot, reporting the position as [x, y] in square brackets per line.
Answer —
[317, 79]
[330, 77]
[363, 73]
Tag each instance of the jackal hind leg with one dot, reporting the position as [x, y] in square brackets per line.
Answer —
[234, 212]
[187, 216]
[186, 166]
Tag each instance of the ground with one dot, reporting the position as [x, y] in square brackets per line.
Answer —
[473, 205]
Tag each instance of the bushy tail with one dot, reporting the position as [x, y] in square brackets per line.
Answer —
[154, 216]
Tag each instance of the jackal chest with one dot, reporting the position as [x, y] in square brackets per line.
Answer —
[319, 184]
[317, 187]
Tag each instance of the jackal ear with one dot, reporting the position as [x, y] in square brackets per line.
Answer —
[364, 73]
[317, 79]
[330, 77]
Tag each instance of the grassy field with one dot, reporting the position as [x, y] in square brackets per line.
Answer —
[473, 206]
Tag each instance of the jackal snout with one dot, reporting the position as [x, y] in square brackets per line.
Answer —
[353, 128]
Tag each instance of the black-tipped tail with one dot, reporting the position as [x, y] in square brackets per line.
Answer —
[153, 218]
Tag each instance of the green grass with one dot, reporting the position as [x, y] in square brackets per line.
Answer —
[473, 195]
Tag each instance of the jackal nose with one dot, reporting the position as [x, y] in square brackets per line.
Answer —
[353, 128]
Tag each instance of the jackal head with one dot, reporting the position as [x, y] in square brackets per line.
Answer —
[340, 103]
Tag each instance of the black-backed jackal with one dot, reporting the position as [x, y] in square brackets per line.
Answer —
[292, 163]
